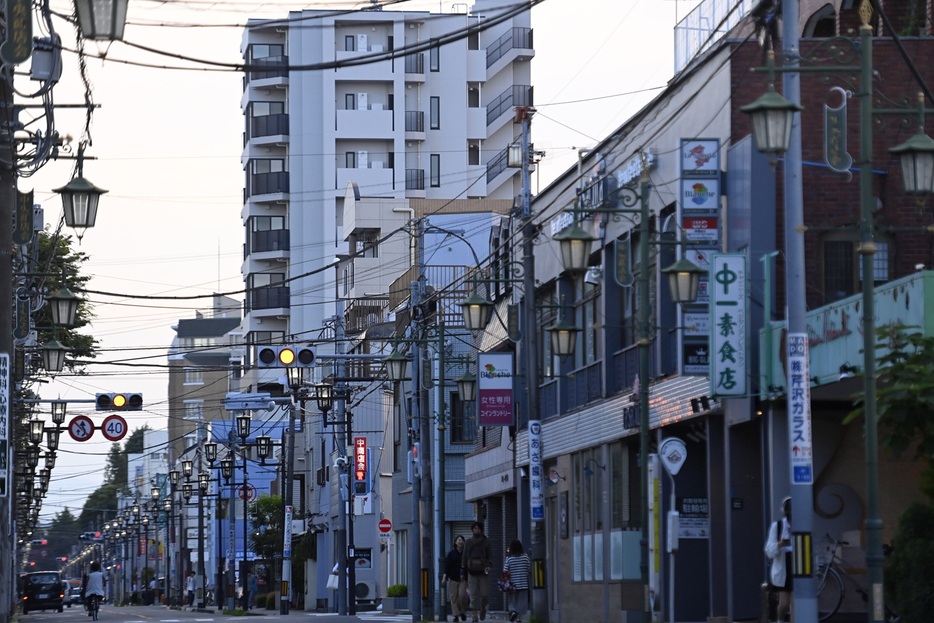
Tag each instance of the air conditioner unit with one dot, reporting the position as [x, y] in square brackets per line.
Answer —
[365, 591]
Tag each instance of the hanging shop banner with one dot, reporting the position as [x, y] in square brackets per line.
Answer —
[799, 410]
[4, 424]
[494, 389]
[700, 157]
[728, 339]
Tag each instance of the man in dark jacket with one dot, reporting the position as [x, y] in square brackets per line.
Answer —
[478, 560]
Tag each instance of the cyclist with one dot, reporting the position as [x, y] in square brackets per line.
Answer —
[93, 589]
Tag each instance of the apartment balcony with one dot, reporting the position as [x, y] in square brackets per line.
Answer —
[415, 68]
[476, 124]
[515, 45]
[415, 125]
[374, 123]
[267, 301]
[269, 129]
[363, 71]
[268, 73]
[268, 246]
[372, 181]
[268, 187]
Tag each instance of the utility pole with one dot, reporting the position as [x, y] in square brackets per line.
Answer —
[346, 571]
[415, 428]
[287, 509]
[7, 201]
[530, 363]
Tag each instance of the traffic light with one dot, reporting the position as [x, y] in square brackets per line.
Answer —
[119, 402]
[285, 357]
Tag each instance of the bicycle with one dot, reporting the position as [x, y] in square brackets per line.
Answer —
[94, 605]
[830, 587]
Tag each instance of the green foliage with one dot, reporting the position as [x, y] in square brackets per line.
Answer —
[266, 515]
[270, 601]
[909, 570]
[905, 391]
[115, 472]
[64, 531]
[134, 443]
[397, 590]
[99, 507]
[259, 601]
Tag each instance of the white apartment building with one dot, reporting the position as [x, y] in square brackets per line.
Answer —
[402, 105]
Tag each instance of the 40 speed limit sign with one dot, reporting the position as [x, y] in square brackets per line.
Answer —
[114, 427]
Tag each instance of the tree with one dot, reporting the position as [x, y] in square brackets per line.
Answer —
[134, 443]
[115, 472]
[64, 530]
[266, 537]
[100, 507]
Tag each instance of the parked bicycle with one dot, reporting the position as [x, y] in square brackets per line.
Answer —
[830, 586]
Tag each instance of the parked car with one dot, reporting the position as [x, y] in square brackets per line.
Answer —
[42, 590]
[74, 596]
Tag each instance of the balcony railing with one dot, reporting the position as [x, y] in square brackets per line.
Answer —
[520, 38]
[415, 64]
[270, 240]
[415, 179]
[496, 165]
[516, 95]
[266, 183]
[267, 297]
[414, 121]
[277, 68]
[269, 125]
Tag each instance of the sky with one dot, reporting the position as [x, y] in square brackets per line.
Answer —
[166, 144]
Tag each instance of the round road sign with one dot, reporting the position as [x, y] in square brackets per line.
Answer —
[81, 428]
[248, 494]
[114, 427]
[385, 526]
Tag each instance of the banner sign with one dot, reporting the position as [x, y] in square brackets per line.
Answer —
[799, 410]
[494, 389]
[728, 337]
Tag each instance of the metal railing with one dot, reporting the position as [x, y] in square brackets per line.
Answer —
[515, 38]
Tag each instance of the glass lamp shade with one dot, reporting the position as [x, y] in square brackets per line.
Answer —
[187, 468]
[32, 456]
[173, 477]
[226, 468]
[916, 157]
[514, 156]
[102, 20]
[563, 338]
[154, 493]
[35, 431]
[58, 412]
[52, 436]
[167, 505]
[145, 520]
[395, 366]
[575, 244]
[79, 201]
[203, 481]
[53, 356]
[772, 116]
[324, 395]
[187, 490]
[263, 446]
[476, 310]
[135, 509]
[296, 376]
[210, 451]
[244, 422]
[467, 387]
[63, 307]
[49, 460]
[683, 278]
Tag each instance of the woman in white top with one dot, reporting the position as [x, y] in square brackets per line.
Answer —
[94, 584]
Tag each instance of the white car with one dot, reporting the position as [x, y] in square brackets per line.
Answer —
[73, 596]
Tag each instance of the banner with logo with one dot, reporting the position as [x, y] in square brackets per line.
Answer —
[495, 372]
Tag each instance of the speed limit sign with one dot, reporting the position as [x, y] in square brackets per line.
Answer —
[114, 427]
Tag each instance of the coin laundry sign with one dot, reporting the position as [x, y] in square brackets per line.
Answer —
[728, 338]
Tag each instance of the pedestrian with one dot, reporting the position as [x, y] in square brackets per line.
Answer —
[476, 564]
[778, 551]
[519, 567]
[253, 586]
[190, 587]
[456, 580]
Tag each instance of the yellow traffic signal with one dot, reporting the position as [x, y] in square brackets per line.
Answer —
[119, 402]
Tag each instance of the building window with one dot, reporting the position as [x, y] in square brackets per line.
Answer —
[350, 160]
[194, 376]
[843, 269]
[365, 243]
[350, 101]
[262, 51]
[435, 170]
[434, 114]
[589, 481]
[350, 43]
[193, 410]
[434, 58]
[589, 319]
[463, 420]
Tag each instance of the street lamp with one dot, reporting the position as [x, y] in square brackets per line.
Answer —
[58, 412]
[53, 356]
[63, 305]
[102, 20]
[476, 310]
[324, 396]
[917, 165]
[395, 367]
[79, 196]
[467, 387]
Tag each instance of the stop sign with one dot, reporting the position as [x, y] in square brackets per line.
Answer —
[385, 526]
